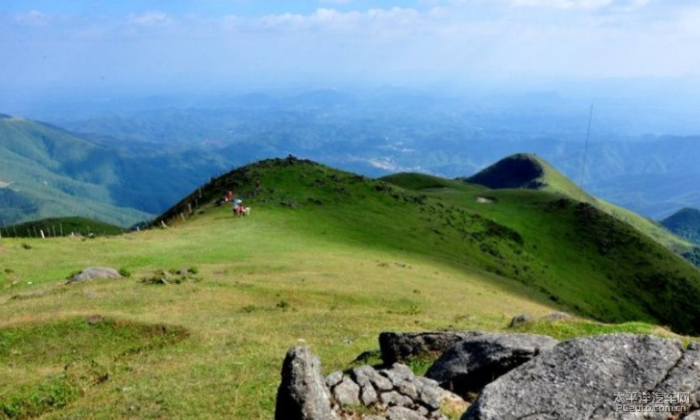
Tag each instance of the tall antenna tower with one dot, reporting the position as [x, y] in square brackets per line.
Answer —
[585, 150]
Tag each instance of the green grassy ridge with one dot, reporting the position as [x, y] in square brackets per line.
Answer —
[574, 253]
[595, 263]
[60, 226]
[347, 207]
[529, 171]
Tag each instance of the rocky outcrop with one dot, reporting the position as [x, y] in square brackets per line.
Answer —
[393, 393]
[473, 363]
[621, 376]
[388, 394]
[398, 347]
[614, 376]
[303, 394]
[94, 273]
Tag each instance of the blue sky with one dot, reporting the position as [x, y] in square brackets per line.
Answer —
[201, 7]
[212, 44]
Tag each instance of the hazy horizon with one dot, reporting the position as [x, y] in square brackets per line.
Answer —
[210, 45]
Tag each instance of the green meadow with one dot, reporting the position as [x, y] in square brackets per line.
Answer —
[326, 259]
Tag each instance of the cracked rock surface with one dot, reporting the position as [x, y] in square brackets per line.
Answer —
[590, 378]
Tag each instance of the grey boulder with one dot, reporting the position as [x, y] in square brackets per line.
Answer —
[693, 416]
[589, 378]
[347, 393]
[94, 273]
[519, 320]
[302, 394]
[475, 362]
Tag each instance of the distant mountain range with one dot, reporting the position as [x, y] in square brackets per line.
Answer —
[145, 161]
[386, 132]
[46, 171]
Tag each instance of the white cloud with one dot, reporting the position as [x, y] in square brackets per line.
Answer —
[152, 18]
[450, 40]
[564, 4]
[332, 18]
[579, 6]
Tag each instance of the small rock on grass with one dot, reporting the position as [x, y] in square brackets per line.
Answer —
[94, 273]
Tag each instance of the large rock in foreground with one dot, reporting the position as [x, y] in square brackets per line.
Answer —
[398, 347]
[94, 273]
[303, 394]
[602, 377]
[473, 363]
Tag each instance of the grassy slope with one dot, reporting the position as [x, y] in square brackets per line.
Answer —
[35, 163]
[342, 260]
[268, 282]
[585, 258]
[535, 173]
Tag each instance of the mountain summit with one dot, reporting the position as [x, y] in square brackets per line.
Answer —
[528, 171]
[525, 170]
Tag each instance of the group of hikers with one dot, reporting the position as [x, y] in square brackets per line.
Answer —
[236, 204]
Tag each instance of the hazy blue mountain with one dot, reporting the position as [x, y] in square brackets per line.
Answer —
[45, 171]
[685, 223]
[168, 144]
[49, 172]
